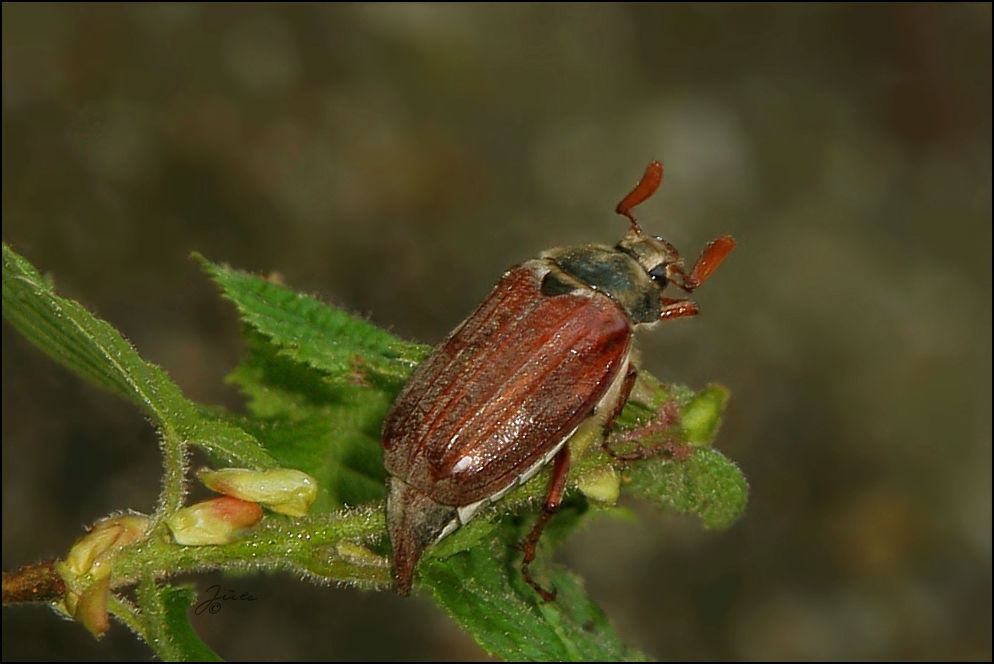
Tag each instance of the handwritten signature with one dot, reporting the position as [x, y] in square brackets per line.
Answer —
[213, 604]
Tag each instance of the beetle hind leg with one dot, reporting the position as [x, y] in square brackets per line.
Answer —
[554, 496]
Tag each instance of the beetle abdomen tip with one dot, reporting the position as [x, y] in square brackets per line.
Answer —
[415, 522]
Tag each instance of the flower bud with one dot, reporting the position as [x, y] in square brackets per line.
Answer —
[215, 521]
[92, 552]
[91, 609]
[602, 484]
[283, 490]
[701, 417]
[360, 556]
[87, 568]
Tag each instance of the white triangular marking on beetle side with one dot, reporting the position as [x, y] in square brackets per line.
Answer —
[467, 512]
[450, 527]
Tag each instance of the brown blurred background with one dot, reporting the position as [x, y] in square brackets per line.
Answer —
[396, 159]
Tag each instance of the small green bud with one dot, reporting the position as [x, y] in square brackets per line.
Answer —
[701, 417]
[602, 484]
[283, 490]
[360, 555]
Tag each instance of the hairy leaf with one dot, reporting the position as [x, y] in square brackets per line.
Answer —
[94, 350]
[484, 592]
[342, 346]
[177, 601]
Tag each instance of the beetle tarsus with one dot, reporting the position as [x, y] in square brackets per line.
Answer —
[675, 450]
[669, 415]
[554, 496]
[529, 547]
[675, 308]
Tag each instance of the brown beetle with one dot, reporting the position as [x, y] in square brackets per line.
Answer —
[550, 348]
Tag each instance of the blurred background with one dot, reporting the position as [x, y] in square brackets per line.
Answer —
[395, 159]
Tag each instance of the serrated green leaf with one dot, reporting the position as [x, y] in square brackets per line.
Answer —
[177, 601]
[86, 345]
[705, 483]
[328, 429]
[343, 346]
[222, 440]
[319, 384]
[484, 592]
[94, 350]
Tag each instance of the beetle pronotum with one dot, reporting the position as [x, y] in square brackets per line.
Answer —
[550, 348]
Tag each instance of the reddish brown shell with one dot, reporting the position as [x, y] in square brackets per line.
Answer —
[510, 383]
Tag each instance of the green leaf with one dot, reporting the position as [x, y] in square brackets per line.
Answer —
[177, 601]
[328, 429]
[86, 345]
[345, 347]
[687, 476]
[484, 592]
[706, 483]
[94, 350]
[319, 383]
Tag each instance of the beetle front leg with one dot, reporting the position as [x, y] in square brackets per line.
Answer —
[626, 389]
[631, 374]
[676, 308]
[667, 416]
[557, 488]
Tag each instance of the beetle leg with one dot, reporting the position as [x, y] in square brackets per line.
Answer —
[557, 487]
[668, 415]
[673, 308]
[626, 389]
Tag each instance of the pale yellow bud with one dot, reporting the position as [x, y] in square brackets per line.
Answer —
[91, 609]
[87, 568]
[283, 490]
[215, 521]
[92, 552]
[601, 484]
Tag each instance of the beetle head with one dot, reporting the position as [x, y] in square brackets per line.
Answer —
[656, 256]
[660, 259]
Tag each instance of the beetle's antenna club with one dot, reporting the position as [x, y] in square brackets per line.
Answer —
[646, 187]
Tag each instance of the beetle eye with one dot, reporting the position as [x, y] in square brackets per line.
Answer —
[658, 274]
